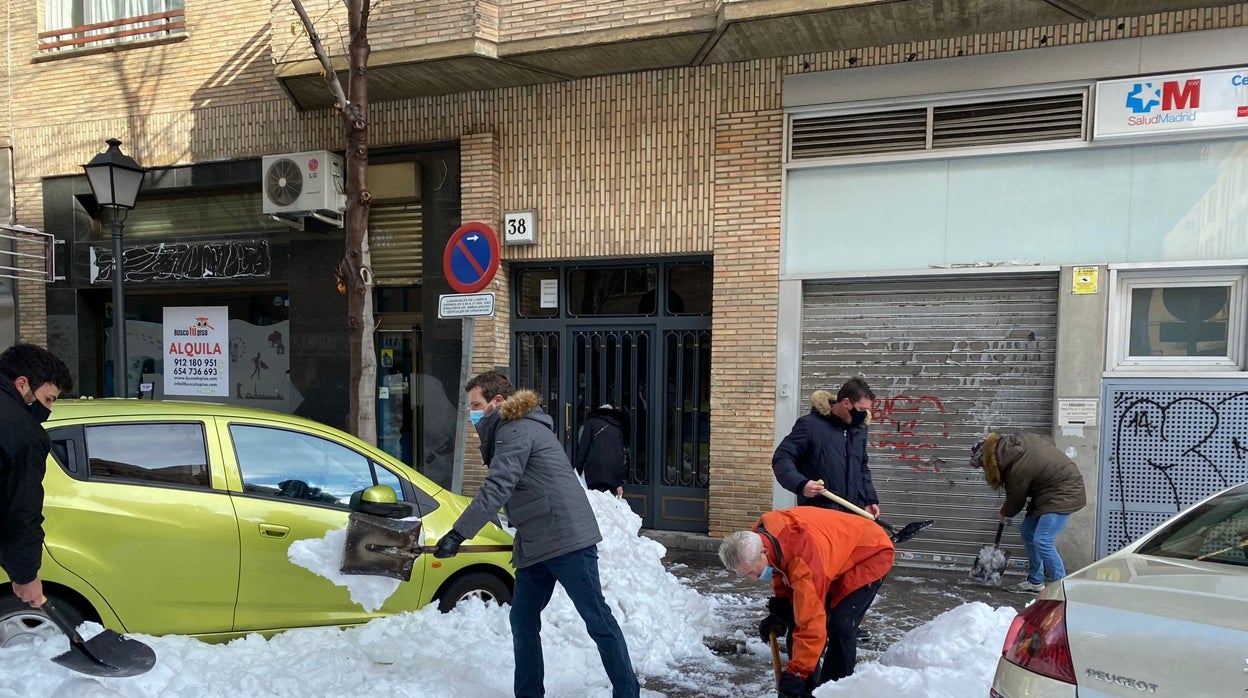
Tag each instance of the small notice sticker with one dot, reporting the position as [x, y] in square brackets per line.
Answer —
[1085, 279]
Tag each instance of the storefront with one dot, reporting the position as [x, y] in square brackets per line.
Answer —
[199, 237]
[999, 256]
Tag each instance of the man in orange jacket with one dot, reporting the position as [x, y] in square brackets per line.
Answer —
[825, 567]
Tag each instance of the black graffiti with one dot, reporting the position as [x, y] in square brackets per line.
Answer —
[186, 261]
[1240, 449]
[1172, 451]
[1140, 422]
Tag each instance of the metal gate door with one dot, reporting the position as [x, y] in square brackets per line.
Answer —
[949, 359]
[664, 390]
[1168, 443]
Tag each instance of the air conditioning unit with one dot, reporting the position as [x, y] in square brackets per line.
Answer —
[311, 183]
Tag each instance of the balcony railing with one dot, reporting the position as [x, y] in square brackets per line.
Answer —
[118, 30]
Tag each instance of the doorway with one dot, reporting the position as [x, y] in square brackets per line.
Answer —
[587, 335]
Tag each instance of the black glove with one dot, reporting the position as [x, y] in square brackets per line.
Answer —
[783, 608]
[448, 546]
[772, 624]
[791, 686]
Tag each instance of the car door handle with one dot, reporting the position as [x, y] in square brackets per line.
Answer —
[273, 530]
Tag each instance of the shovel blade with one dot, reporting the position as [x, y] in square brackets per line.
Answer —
[909, 531]
[990, 565]
[108, 654]
[381, 546]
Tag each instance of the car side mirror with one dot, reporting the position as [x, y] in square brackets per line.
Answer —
[380, 500]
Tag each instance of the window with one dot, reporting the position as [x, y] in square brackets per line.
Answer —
[1216, 531]
[169, 454]
[612, 291]
[538, 293]
[288, 464]
[1181, 319]
[74, 24]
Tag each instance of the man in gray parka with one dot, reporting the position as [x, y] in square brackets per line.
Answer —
[556, 532]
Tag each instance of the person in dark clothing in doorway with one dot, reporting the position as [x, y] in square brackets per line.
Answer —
[830, 445]
[31, 379]
[602, 450]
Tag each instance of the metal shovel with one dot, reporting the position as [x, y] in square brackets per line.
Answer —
[389, 547]
[907, 532]
[106, 654]
[991, 561]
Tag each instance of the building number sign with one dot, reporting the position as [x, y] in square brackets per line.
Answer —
[519, 228]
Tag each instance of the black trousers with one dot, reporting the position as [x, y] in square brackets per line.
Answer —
[841, 652]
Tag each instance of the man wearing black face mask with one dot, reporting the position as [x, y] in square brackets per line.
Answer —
[830, 444]
[31, 379]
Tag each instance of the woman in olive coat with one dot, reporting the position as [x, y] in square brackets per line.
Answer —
[1037, 475]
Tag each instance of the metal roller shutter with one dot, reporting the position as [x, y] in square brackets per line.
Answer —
[394, 242]
[949, 359]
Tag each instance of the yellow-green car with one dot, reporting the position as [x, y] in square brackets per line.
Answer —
[176, 517]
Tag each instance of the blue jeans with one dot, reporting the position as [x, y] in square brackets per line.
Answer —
[1039, 534]
[577, 571]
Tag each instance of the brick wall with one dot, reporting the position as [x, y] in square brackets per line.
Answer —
[530, 19]
[683, 161]
[748, 148]
[393, 24]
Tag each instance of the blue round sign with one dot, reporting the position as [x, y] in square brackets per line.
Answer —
[471, 257]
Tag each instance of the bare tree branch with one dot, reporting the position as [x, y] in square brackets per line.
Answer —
[331, 76]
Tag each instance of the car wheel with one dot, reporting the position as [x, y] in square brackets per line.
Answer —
[21, 625]
[478, 585]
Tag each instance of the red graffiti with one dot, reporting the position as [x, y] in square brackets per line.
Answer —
[896, 420]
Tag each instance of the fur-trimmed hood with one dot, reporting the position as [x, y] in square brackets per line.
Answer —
[822, 401]
[991, 465]
[519, 404]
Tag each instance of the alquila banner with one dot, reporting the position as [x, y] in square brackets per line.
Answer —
[1184, 102]
[197, 341]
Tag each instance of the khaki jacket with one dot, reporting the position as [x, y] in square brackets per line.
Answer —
[1029, 466]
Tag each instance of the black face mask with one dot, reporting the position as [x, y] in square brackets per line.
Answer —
[39, 411]
[857, 417]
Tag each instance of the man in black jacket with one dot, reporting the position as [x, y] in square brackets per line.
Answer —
[31, 379]
[830, 444]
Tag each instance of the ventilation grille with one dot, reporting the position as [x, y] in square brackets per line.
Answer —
[1049, 118]
[859, 134]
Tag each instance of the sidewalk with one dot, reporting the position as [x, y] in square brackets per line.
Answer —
[908, 598]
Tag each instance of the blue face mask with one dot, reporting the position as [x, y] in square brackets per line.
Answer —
[475, 416]
[765, 574]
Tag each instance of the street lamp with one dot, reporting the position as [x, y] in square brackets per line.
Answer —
[115, 179]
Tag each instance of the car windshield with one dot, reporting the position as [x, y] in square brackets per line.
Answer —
[1216, 531]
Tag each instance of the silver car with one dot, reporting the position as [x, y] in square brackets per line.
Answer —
[1165, 616]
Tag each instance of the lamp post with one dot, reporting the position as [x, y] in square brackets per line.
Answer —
[115, 180]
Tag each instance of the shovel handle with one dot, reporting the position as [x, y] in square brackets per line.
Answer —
[1000, 527]
[61, 621]
[847, 504]
[775, 657]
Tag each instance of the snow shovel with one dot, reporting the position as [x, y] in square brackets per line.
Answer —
[991, 560]
[907, 532]
[106, 654]
[389, 547]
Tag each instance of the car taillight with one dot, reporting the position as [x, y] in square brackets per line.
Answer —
[1037, 641]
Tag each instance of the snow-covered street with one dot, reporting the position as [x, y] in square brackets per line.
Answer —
[468, 651]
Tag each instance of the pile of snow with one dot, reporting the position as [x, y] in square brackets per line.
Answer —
[468, 651]
[464, 653]
[953, 656]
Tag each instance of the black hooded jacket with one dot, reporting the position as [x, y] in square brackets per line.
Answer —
[24, 447]
[602, 450]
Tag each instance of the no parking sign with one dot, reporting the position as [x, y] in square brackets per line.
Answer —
[471, 257]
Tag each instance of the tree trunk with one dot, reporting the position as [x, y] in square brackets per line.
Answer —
[356, 268]
[359, 268]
